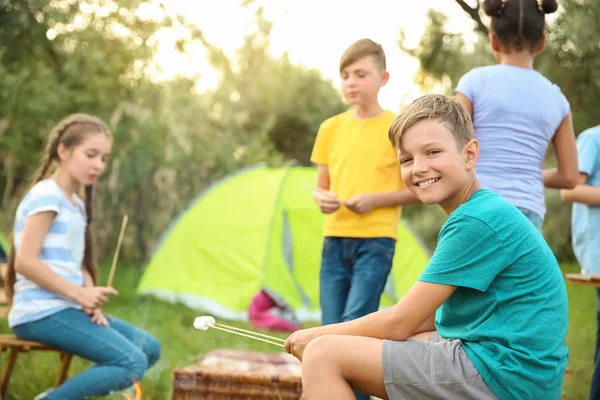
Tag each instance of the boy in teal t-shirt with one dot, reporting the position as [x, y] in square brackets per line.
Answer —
[488, 317]
[510, 305]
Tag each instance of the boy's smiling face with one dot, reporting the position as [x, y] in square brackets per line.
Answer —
[433, 167]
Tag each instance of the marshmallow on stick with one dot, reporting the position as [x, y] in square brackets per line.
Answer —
[206, 321]
[202, 323]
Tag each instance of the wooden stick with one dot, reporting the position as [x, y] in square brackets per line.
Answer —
[318, 189]
[306, 185]
[250, 332]
[116, 256]
[248, 336]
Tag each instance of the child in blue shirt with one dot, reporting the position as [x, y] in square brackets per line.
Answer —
[517, 112]
[488, 317]
[585, 222]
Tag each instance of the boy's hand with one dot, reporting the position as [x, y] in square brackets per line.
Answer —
[297, 341]
[327, 201]
[361, 203]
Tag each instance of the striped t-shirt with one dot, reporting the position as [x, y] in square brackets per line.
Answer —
[62, 251]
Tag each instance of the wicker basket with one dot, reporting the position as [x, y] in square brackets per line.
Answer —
[225, 374]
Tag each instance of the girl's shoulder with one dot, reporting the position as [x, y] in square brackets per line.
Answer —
[43, 194]
[501, 71]
[499, 75]
[44, 188]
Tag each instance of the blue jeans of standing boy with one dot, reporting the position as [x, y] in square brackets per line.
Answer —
[595, 389]
[121, 352]
[353, 275]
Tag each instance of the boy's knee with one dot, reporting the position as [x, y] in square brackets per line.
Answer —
[317, 352]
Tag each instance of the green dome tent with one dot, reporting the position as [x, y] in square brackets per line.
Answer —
[258, 228]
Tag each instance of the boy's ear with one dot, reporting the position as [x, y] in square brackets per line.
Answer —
[385, 77]
[471, 153]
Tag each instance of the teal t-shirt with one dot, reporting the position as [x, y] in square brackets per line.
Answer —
[510, 308]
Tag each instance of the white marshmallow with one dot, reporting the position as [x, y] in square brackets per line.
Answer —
[202, 323]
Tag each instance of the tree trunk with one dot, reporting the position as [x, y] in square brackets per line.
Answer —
[141, 216]
[473, 12]
[10, 166]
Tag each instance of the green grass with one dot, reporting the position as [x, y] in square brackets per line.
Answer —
[172, 325]
[581, 338]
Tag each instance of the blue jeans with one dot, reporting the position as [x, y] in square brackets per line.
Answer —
[121, 352]
[595, 389]
[535, 219]
[353, 275]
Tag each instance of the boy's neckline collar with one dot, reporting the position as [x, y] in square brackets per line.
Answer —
[353, 115]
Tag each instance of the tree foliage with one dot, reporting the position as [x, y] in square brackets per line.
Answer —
[170, 141]
[571, 60]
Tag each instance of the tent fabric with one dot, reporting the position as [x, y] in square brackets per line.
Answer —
[4, 248]
[257, 229]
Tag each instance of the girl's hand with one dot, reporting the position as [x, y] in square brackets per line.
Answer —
[94, 297]
[99, 318]
[297, 341]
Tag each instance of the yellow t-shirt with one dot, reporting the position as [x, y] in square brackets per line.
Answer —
[361, 160]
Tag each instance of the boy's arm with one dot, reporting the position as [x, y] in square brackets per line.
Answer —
[327, 201]
[323, 181]
[363, 203]
[398, 198]
[411, 314]
[427, 326]
[582, 193]
[414, 313]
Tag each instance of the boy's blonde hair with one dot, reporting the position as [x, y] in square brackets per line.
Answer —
[438, 107]
[360, 49]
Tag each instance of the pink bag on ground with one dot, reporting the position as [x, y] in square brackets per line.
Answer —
[266, 313]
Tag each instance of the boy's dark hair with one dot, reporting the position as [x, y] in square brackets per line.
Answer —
[363, 48]
[518, 24]
[436, 107]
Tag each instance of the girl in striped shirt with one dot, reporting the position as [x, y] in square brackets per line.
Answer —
[51, 269]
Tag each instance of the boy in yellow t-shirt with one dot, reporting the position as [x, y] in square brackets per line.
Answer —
[360, 190]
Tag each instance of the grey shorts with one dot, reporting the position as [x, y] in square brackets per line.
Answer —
[436, 369]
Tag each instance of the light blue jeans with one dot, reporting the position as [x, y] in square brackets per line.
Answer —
[535, 219]
[121, 352]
